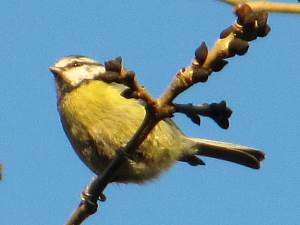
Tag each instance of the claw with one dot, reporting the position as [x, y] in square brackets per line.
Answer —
[102, 197]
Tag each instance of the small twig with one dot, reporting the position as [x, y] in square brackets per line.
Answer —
[233, 41]
[89, 197]
[117, 73]
[268, 6]
[1, 171]
[219, 112]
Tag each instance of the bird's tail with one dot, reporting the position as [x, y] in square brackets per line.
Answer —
[231, 152]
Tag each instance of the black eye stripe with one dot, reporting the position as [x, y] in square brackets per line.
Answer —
[76, 64]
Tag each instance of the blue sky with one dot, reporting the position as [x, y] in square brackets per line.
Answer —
[43, 177]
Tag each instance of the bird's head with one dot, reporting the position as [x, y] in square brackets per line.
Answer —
[70, 71]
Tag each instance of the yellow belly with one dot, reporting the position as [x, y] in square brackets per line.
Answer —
[98, 122]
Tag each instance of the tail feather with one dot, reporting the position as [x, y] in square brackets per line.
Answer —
[231, 152]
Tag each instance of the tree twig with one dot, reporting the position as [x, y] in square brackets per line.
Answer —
[268, 6]
[1, 171]
[219, 112]
[233, 41]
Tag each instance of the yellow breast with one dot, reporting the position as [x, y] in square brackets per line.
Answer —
[96, 110]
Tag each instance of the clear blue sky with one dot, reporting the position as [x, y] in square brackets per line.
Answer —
[43, 177]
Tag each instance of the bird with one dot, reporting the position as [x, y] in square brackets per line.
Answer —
[99, 121]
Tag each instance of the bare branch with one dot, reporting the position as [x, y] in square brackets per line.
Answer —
[233, 41]
[89, 197]
[1, 171]
[117, 73]
[219, 112]
[268, 6]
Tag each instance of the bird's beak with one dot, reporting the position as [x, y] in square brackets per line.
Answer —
[56, 71]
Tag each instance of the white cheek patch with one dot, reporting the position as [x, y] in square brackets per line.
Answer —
[78, 74]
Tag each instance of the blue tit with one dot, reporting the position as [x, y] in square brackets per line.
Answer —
[99, 121]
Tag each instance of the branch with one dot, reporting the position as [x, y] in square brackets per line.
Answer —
[268, 6]
[233, 41]
[90, 195]
[1, 171]
[115, 72]
[219, 112]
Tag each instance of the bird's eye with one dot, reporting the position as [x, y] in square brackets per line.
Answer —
[75, 64]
